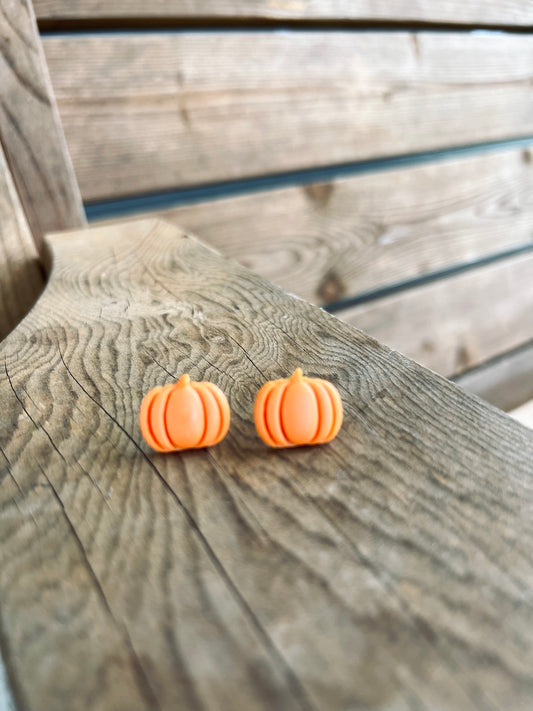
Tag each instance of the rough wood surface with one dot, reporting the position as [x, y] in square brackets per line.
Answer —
[388, 570]
[30, 128]
[21, 277]
[333, 240]
[151, 111]
[456, 323]
[506, 381]
[511, 12]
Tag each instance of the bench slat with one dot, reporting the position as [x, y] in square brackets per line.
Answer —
[155, 111]
[485, 12]
[30, 129]
[387, 567]
[338, 239]
[456, 323]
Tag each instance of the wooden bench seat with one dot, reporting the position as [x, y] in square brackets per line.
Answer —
[387, 567]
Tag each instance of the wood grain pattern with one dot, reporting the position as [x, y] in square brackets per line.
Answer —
[388, 570]
[151, 111]
[329, 241]
[30, 129]
[456, 323]
[21, 278]
[505, 382]
[512, 12]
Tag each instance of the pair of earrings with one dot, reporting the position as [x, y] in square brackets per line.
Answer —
[287, 413]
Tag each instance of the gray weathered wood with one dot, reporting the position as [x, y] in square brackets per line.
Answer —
[511, 12]
[21, 277]
[506, 382]
[30, 129]
[456, 323]
[151, 111]
[331, 241]
[388, 570]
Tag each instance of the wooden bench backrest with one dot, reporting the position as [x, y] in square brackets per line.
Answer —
[21, 276]
[38, 189]
[30, 129]
[301, 135]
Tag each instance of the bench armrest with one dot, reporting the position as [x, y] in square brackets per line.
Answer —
[391, 566]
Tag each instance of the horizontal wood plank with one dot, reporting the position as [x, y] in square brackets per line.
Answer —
[154, 111]
[456, 323]
[511, 12]
[30, 129]
[333, 240]
[505, 382]
[389, 570]
[21, 278]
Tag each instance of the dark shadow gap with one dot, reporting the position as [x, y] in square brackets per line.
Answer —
[166, 199]
[505, 381]
[524, 349]
[213, 23]
[423, 279]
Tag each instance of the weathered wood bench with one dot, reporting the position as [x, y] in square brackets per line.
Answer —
[387, 570]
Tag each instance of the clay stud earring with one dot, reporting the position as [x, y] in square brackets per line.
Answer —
[184, 415]
[298, 410]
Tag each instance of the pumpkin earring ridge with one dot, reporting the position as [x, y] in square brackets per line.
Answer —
[272, 415]
[260, 414]
[144, 417]
[158, 412]
[338, 414]
[210, 411]
[324, 403]
[223, 410]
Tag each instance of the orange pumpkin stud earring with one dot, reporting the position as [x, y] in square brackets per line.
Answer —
[298, 410]
[184, 415]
